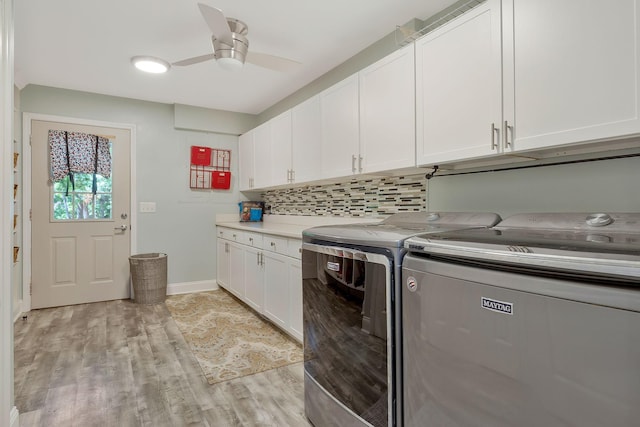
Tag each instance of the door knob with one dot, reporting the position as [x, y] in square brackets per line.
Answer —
[121, 228]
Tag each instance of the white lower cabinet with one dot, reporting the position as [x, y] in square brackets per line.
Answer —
[222, 263]
[253, 278]
[276, 283]
[295, 299]
[268, 280]
[236, 269]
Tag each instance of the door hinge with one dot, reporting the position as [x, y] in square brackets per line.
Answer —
[29, 139]
[29, 214]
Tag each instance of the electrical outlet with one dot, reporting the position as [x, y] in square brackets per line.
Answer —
[147, 207]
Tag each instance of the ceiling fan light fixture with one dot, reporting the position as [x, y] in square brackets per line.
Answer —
[230, 64]
[231, 57]
[149, 64]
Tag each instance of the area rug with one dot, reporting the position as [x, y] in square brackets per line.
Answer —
[227, 338]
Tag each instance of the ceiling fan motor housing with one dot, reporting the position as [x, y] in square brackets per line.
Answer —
[240, 43]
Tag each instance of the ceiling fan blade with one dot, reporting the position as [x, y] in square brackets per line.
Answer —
[194, 60]
[217, 23]
[271, 62]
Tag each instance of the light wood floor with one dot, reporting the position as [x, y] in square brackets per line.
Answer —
[122, 364]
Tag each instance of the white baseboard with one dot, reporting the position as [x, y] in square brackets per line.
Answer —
[191, 287]
[17, 315]
[14, 417]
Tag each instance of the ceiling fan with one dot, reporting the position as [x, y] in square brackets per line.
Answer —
[230, 45]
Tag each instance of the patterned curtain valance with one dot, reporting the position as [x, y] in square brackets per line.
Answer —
[77, 152]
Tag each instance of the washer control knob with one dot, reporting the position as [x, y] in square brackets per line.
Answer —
[599, 220]
[598, 238]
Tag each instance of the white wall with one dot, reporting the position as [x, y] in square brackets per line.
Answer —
[598, 186]
[183, 225]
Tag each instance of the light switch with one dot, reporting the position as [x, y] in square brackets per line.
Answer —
[147, 207]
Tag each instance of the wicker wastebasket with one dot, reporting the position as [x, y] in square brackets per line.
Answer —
[149, 277]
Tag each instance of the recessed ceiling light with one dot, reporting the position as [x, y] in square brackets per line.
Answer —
[150, 64]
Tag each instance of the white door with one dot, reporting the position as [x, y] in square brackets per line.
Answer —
[81, 243]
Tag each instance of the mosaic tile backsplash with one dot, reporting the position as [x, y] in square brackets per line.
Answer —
[356, 198]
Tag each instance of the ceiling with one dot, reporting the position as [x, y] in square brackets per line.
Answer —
[87, 45]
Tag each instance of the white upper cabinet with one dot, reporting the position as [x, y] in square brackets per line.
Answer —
[281, 149]
[521, 76]
[262, 155]
[306, 128]
[458, 88]
[571, 70]
[340, 129]
[246, 161]
[387, 113]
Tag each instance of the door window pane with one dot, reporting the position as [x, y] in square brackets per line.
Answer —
[80, 203]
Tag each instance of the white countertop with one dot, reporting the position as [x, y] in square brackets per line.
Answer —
[287, 225]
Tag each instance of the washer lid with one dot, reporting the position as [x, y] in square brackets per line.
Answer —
[609, 248]
[393, 231]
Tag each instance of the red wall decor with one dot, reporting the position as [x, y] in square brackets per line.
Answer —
[210, 168]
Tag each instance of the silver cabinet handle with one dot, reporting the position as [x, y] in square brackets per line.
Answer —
[251, 240]
[359, 163]
[258, 257]
[353, 163]
[293, 175]
[121, 228]
[226, 247]
[507, 129]
[494, 145]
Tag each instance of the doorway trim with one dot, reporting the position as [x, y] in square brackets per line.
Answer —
[27, 119]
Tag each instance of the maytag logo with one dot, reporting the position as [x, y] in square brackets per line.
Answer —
[333, 266]
[497, 306]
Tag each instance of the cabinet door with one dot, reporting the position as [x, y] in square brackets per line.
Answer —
[281, 148]
[571, 71]
[222, 263]
[276, 284]
[254, 278]
[340, 129]
[245, 161]
[236, 270]
[306, 128]
[458, 87]
[295, 298]
[262, 155]
[387, 113]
